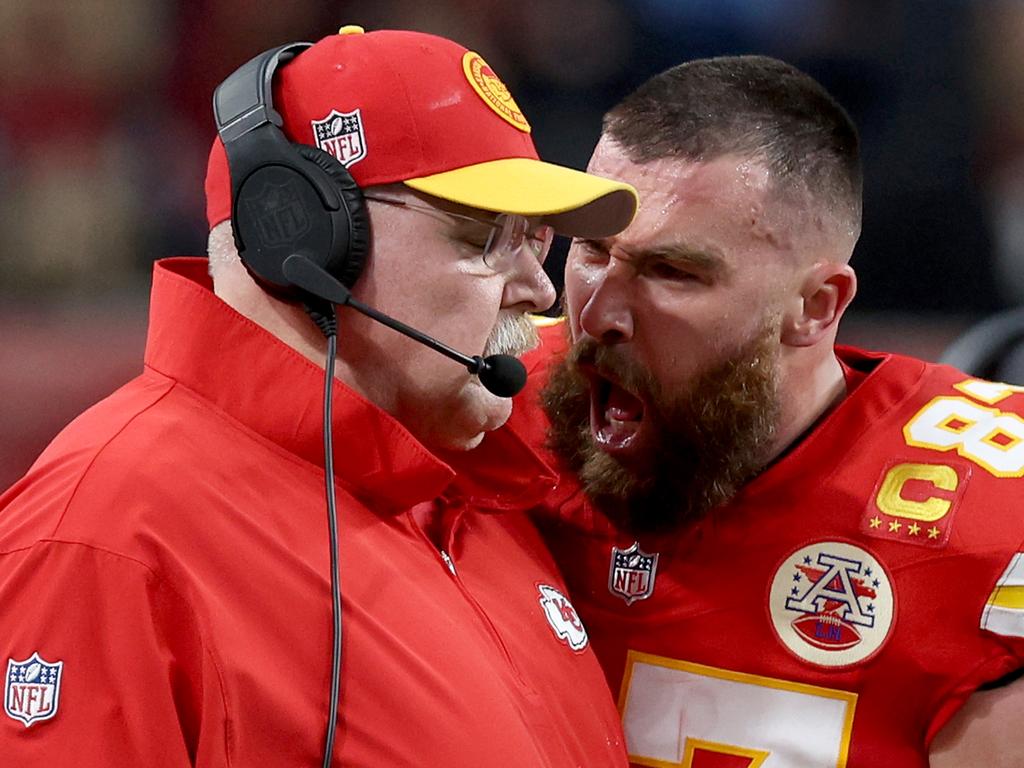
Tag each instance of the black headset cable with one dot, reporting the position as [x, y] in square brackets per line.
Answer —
[325, 317]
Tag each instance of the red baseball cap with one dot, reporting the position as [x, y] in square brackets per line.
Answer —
[397, 106]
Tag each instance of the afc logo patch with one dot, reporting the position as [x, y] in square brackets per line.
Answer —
[832, 604]
[631, 573]
[340, 135]
[32, 689]
[562, 617]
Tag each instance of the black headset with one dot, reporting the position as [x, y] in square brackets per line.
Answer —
[293, 200]
[286, 198]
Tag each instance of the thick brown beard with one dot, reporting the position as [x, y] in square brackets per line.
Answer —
[709, 440]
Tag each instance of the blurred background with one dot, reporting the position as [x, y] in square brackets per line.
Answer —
[105, 123]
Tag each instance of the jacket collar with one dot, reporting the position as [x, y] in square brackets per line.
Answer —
[256, 379]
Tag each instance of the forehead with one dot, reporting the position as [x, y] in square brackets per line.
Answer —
[718, 205]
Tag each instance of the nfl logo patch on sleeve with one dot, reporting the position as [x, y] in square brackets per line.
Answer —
[32, 689]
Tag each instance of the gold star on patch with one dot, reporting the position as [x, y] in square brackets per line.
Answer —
[913, 529]
[876, 522]
[933, 532]
[895, 526]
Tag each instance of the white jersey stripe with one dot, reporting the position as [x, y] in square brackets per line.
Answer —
[1004, 612]
[1008, 622]
[1013, 576]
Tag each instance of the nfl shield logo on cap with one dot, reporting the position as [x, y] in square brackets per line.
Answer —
[340, 135]
[631, 574]
[32, 689]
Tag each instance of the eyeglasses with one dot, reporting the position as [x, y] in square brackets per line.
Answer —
[509, 233]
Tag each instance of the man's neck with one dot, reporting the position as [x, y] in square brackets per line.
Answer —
[809, 391]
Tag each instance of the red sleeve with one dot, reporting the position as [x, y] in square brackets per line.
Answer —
[125, 678]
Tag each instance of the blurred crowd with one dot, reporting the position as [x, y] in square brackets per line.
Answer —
[105, 124]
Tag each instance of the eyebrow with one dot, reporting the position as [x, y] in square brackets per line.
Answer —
[702, 260]
[705, 260]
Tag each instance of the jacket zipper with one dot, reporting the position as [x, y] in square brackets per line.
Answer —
[449, 564]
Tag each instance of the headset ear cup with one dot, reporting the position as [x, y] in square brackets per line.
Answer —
[349, 265]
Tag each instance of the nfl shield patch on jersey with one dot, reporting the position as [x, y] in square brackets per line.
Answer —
[631, 573]
[32, 689]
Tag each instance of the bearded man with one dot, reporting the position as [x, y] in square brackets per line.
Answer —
[787, 553]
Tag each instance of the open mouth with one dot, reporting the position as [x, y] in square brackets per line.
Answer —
[616, 415]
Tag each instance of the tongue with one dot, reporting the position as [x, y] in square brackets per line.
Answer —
[623, 414]
[622, 406]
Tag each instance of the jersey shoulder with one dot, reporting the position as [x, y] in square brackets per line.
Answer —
[941, 462]
[937, 428]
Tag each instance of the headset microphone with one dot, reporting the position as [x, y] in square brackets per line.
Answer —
[501, 375]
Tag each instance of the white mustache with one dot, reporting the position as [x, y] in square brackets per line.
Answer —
[513, 335]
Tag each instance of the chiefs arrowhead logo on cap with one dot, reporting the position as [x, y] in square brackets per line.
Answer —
[494, 92]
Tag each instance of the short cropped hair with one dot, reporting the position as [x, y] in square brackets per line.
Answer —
[756, 107]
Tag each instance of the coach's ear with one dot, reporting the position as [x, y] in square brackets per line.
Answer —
[826, 292]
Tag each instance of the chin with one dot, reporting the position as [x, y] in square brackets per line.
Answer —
[472, 415]
[467, 444]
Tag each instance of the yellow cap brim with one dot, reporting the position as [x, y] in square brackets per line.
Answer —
[575, 203]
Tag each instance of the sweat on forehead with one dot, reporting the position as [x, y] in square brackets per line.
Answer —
[734, 186]
[741, 190]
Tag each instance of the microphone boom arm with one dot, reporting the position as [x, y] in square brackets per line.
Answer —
[473, 364]
[502, 375]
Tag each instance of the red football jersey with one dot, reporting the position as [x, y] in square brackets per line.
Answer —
[842, 606]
